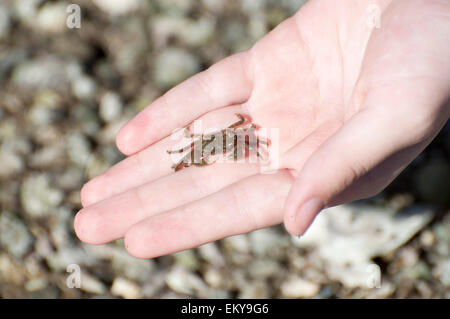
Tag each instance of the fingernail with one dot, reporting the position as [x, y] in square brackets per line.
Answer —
[306, 214]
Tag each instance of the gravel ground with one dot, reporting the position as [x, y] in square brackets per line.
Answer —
[65, 92]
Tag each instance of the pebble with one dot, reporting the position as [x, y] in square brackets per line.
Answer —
[268, 242]
[187, 31]
[110, 107]
[238, 243]
[38, 197]
[427, 238]
[92, 285]
[11, 163]
[174, 65]
[118, 7]
[211, 253]
[297, 287]
[5, 22]
[254, 290]
[214, 277]
[264, 268]
[14, 236]
[187, 258]
[84, 87]
[86, 118]
[36, 284]
[42, 72]
[78, 148]
[125, 288]
[51, 17]
[183, 281]
[139, 270]
[343, 237]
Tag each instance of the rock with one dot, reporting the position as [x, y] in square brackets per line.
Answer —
[296, 287]
[110, 107]
[51, 17]
[122, 263]
[71, 179]
[46, 108]
[250, 6]
[83, 87]
[185, 282]
[91, 285]
[257, 27]
[78, 148]
[264, 268]
[216, 6]
[232, 34]
[173, 66]
[25, 11]
[427, 238]
[238, 243]
[36, 284]
[60, 225]
[5, 22]
[10, 58]
[153, 286]
[187, 259]
[254, 290]
[268, 242]
[292, 5]
[176, 7]
[58, 261]
[48, 157]
[139, 270]
[10, 271]
[14, 236]
[214, 277]
[348, 237]
[49, 292]
[10, 163]
[442, 272]
[125, 288]
[189, 32]
[211, 253]
[86, 118]
[128, 47]
[119, 7]
[42, 72]
[38, 198]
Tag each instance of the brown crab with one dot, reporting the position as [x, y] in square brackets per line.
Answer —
[236, 141]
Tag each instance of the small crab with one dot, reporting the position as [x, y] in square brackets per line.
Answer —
[235, 141]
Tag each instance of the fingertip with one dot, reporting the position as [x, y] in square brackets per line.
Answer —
[300, 219]
[136, 134]
[87, 228]
[289, 222]
[79, 225]
[88, 195]
[124, 139]
[133, 244]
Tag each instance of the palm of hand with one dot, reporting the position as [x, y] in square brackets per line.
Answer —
[335, 88]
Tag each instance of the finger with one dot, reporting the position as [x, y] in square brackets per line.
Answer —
[365, 155]
[151, 163]
[251, 204]
[225, 83]
[111, 218]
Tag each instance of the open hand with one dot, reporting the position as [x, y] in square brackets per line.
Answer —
[354, 105]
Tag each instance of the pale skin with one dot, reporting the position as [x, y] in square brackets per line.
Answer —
[354, 106]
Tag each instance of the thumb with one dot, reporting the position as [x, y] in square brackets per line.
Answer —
[363, 156]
